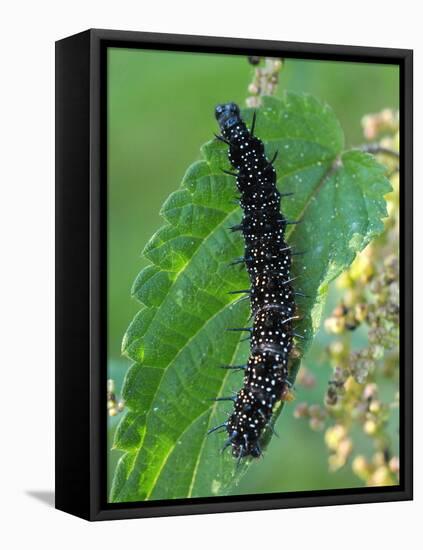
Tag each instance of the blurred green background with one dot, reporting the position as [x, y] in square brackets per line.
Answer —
[160, 111]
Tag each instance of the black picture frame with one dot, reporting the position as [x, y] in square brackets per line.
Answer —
[81, 275]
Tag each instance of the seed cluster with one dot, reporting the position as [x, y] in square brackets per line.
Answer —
[268, 261]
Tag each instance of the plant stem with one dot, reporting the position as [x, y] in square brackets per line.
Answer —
[265, 80]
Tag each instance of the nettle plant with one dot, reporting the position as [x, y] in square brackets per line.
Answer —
[179, 338]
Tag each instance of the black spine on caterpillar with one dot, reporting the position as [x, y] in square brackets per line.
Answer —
[268, 261]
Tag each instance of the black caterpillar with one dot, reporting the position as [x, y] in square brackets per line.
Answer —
[268, 261]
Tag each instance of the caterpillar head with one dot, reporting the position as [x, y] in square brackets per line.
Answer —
[227, 115]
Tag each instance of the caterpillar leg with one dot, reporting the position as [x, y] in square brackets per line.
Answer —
[216, 428]
[275, 156]
[234, 367]
[221, 138]
[229, 173]
[253, 124]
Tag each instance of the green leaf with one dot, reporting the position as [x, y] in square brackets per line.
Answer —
[178, 340]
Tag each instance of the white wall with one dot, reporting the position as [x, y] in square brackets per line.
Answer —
[29, 29]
